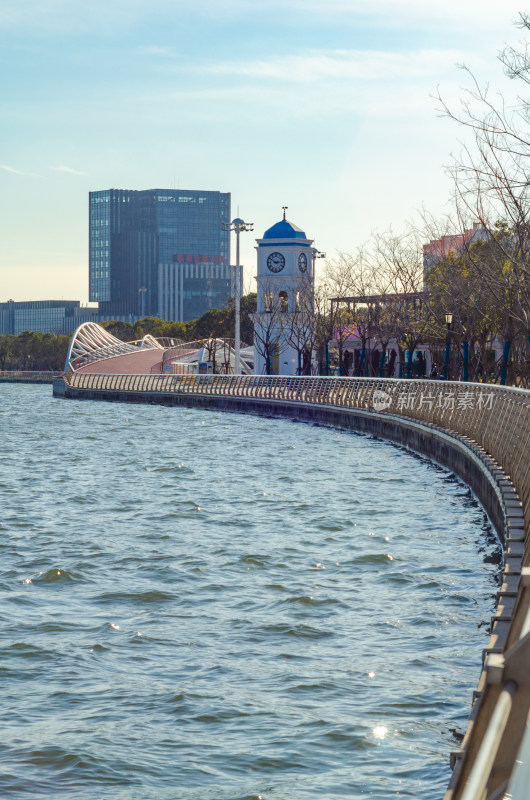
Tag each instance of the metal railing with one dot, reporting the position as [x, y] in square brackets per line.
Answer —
[496, 418]
[494, 422]
[178, 351]
[33, 375]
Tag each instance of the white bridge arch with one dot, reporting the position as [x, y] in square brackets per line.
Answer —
[91, 342]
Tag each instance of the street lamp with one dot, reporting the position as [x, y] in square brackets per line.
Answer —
[237, 225]
[317, 254]
[408, 337]
[448, 322]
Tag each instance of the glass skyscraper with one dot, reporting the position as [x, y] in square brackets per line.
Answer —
[161, 252]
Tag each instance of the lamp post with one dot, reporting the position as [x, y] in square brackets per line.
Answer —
[465, 350]
[237, 225]
[448, 322]
[317, 254]
[408, 356]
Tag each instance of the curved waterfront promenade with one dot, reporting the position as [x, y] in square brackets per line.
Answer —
[482, 433]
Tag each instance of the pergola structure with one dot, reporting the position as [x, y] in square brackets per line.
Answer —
[381, 320]
[414, 299]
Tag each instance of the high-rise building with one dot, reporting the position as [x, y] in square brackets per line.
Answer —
[44, 316]
[161, 252]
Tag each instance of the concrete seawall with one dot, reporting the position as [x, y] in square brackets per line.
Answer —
[26, 379]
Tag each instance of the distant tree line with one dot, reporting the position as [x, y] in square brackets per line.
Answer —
[32, 351]
[217, 323]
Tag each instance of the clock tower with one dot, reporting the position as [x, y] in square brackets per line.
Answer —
[283, 323]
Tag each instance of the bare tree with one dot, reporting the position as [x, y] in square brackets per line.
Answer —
[322, 330]
[346, 277]
[399, 267]
[492, 183]
[302, 324]
[377, 297]
[271, 326]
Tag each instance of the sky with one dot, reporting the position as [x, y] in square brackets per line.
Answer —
[326, 107]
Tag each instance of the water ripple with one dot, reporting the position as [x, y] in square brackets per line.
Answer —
[219, 607]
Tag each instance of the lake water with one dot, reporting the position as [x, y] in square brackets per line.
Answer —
[208, 606]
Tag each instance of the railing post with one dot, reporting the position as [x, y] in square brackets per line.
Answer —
[480, 772]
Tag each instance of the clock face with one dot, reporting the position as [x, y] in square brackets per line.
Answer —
[302, 262]
[275, 262]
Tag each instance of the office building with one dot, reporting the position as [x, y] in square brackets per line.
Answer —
[44, 316]
[159, 252]
[453, 244]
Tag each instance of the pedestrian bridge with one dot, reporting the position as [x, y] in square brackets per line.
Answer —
[482, 433]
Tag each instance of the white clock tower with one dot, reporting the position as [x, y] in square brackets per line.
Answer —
[283, 323]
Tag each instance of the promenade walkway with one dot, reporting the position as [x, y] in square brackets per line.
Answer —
[140, 363]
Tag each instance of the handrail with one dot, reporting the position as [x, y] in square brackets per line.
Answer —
[91, 342]
[494, 422]
[40, 374]
[178, 350]
[483, 764]
[184, 350]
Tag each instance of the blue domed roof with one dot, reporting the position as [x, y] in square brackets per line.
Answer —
[284, 230]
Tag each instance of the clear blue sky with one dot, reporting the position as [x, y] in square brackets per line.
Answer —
[324, 107]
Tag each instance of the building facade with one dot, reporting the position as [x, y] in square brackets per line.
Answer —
[284, 321]
[44, 316]
[452, 244]
[159, 252]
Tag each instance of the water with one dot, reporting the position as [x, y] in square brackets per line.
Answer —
[207, 606]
